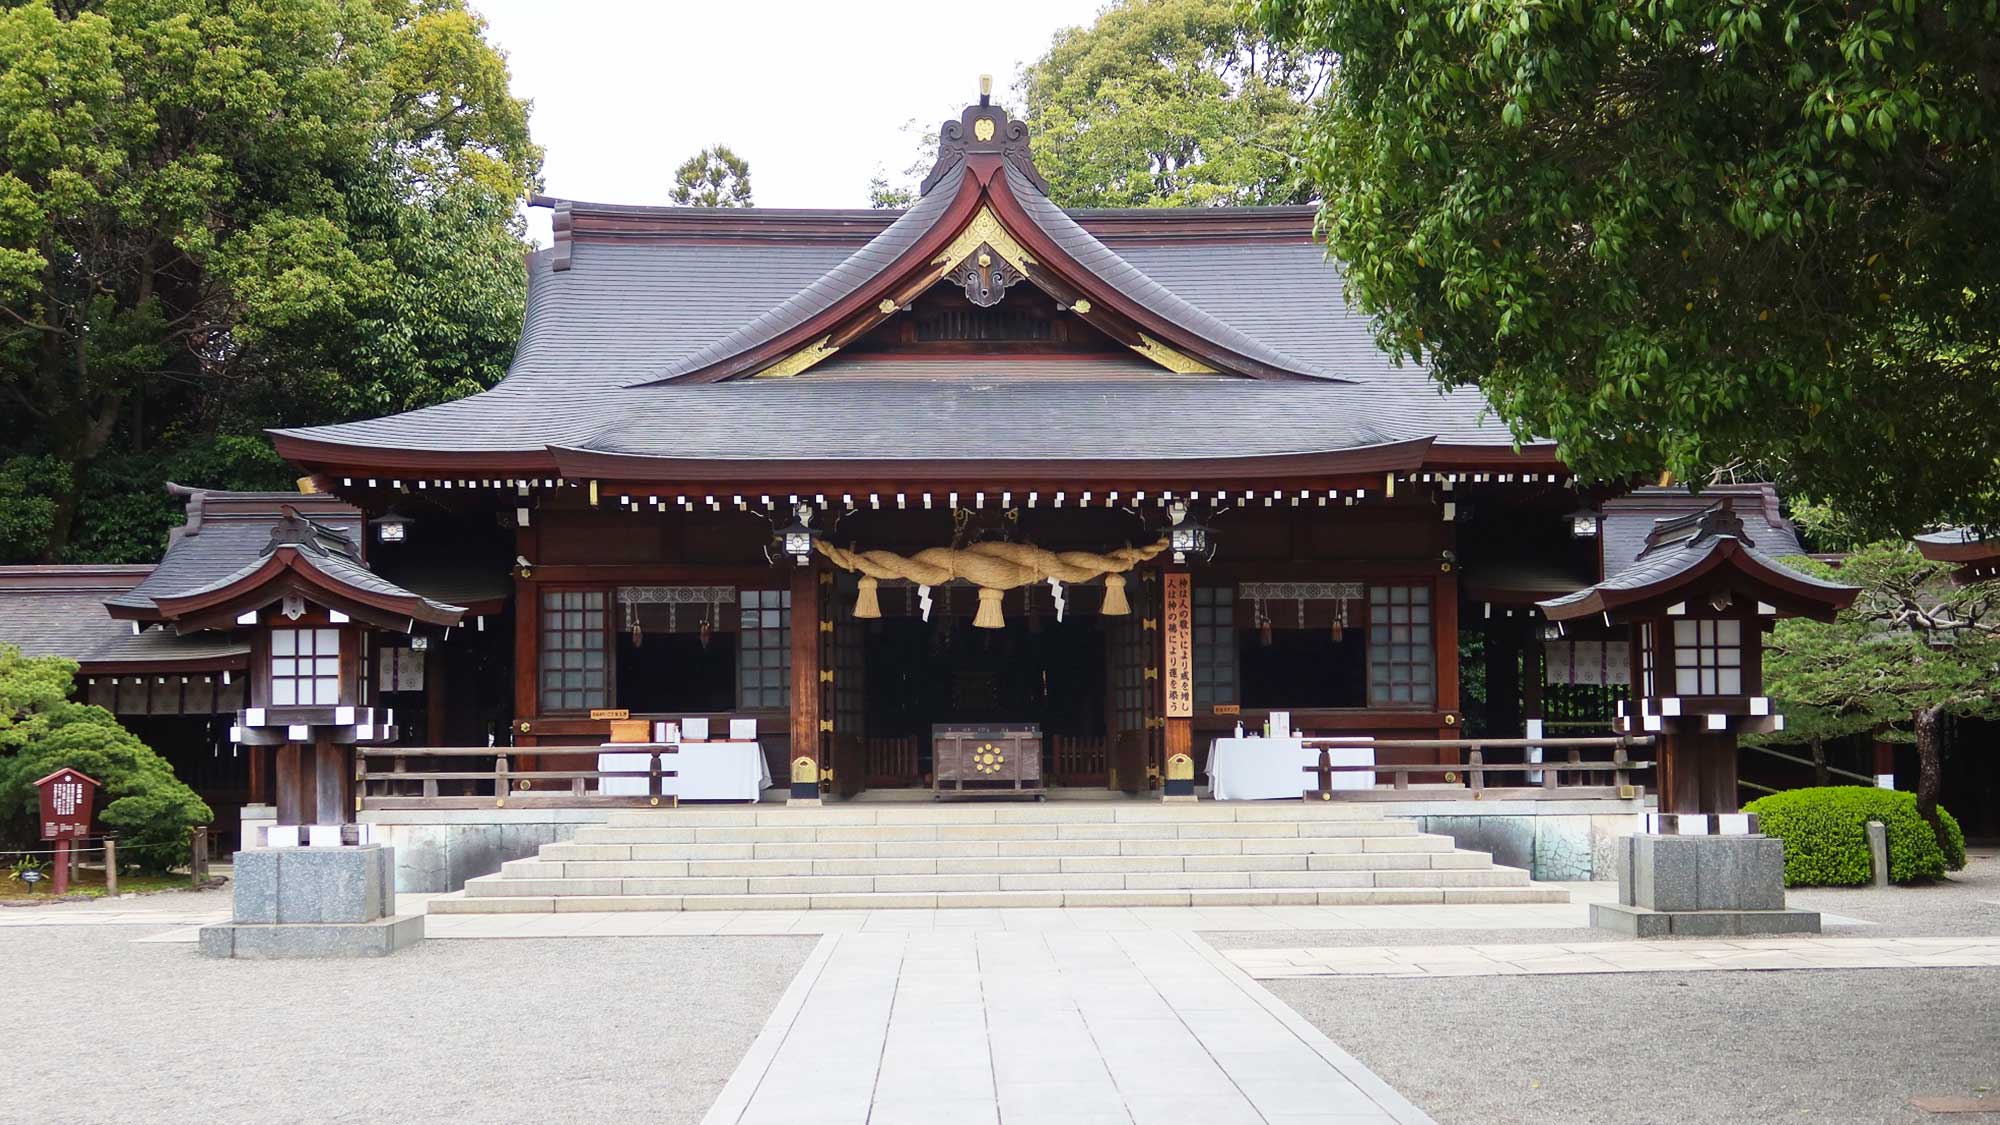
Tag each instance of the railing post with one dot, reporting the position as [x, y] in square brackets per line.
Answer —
[110, 867]
[361, 776]
[1475, 769]
[500, 782]
[1621, 777]
[1402, 778]
[198, 857]
[653, 793]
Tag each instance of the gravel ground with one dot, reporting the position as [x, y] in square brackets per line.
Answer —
[572, 1030]
[1688, 1048]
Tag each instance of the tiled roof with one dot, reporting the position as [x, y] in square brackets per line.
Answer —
[223, 532]
[1629, 519]
[59, 611]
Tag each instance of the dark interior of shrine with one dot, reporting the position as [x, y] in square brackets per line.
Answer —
[1034, 670]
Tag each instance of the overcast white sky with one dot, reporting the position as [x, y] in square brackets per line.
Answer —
[813, 95]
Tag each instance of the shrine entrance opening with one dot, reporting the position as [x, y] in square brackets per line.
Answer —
[916, 674]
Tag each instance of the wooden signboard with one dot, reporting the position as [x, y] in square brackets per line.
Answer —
[1177, 614]
[68, 797]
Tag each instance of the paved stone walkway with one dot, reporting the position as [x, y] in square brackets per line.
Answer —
[1049, 1027]
[1618, 957]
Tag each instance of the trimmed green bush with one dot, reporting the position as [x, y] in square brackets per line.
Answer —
[1954, 841]
[1826, 843]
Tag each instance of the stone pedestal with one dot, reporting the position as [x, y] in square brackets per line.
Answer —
[1701, 886]
[314, 902]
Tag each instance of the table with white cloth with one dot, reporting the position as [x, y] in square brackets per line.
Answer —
[705, 771]
[1265, 769]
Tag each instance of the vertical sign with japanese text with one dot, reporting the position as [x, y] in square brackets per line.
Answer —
[1177, 620]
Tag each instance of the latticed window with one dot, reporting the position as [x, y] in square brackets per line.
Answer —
[764, 650]
[574, 640]
[1214, 645]
[1646, 661]
[1708, 657]
[1401, 661]
[305, 667]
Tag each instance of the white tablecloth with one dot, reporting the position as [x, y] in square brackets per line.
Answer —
[708, 771]
[1262, 769]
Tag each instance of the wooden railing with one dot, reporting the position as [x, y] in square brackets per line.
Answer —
[1470, 780]
[891, 762]
[498, 785]
[1077, 760]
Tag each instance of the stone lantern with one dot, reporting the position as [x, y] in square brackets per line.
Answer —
[1696, 603]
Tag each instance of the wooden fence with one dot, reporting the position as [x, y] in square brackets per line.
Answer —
[1571, 779]
[497, 785]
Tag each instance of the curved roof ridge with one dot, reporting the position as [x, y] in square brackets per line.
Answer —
[856, 270]
[1111, 268]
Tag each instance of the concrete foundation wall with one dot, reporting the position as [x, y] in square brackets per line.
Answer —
[439, 851]
[1554, 840]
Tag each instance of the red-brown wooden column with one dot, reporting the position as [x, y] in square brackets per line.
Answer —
[1177, 681]
[805, 736]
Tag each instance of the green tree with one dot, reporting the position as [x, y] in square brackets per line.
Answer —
[217, 215]
[1914, 648]
[881, 195]
[1169, 103]
[1679, 235]
[43, 730]
[713, 177]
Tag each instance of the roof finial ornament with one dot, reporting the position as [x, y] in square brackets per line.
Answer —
[984, 128]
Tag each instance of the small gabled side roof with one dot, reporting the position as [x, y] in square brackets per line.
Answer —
[1700, 552]
[318, 562]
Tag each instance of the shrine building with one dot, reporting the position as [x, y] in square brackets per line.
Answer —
[984, 497]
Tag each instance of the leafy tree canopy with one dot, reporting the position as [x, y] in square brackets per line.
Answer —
[1169, 103]
[43, 730]
[1678, 235]
[713, 177]
[217, 215]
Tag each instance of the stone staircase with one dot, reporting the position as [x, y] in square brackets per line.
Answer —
[1107, 853]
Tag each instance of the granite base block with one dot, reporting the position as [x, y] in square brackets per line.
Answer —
[279, 886]
[1638, 921]
[269, 942]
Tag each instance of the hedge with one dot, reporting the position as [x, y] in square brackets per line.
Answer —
[1826, 843]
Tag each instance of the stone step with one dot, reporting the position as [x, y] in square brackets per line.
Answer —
[952, 832]
[1103, 812]
[1408, 841]
[1254, 896]
[509, 885]
[557, 867]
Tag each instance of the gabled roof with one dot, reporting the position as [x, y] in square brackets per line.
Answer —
[1699, 551]
[224, 531]
[635, 304]
[317, 561]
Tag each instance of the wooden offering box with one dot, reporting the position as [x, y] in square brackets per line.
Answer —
[993, 760]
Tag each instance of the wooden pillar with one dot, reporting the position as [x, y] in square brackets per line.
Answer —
[260, 773]
[806, 625]
[435, 696]
[1503, 677]
[1698, 771]
[1177, 681]
[1445, 611]
[331, 783]
[527, 639]
[290, 785]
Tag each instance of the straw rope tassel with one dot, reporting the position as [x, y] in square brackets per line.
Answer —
[993, 567]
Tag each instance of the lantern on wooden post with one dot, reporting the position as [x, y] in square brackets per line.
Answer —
[796, 538]
[1188, 537]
